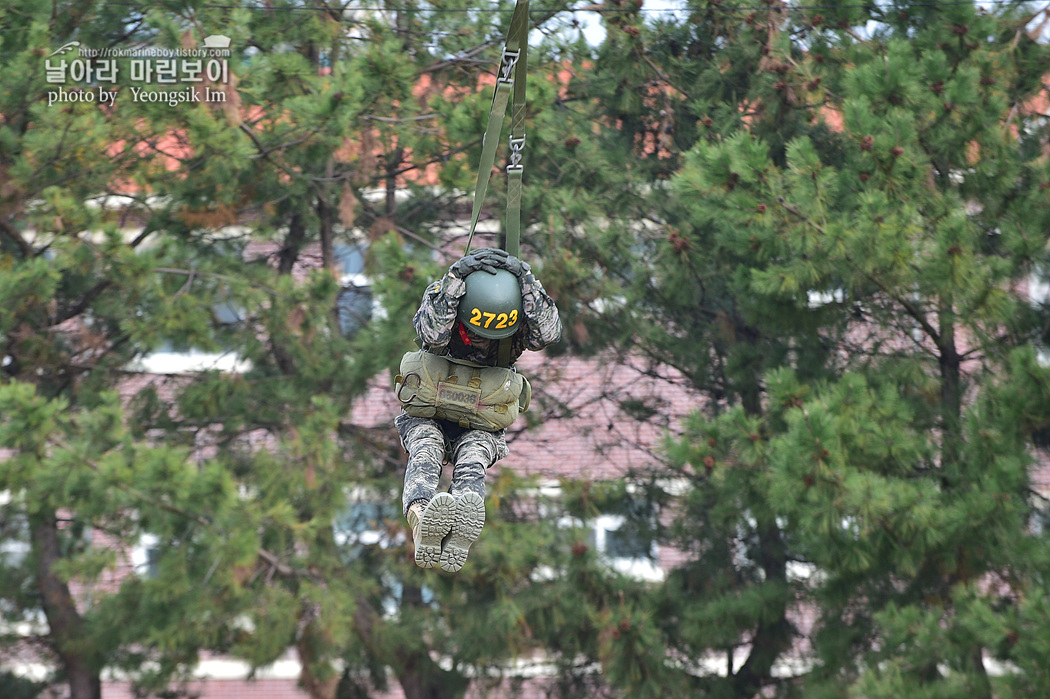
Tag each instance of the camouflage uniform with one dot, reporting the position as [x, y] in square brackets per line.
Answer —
[429, 442]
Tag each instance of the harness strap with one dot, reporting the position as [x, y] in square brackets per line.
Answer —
[513, 70]
[511, 78]
[503, 358]
[515, 168]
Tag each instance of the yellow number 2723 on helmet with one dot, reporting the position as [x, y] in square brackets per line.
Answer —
[491, 305]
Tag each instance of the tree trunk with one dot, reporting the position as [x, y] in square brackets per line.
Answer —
[293, 243]
[773, 636]
[950, 364]
[417, 673]
[982, 688]
[316, 687]
[394, 161]
[326, 215]
[420, 677]
[80, 662]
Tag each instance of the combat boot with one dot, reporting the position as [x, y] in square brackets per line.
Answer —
[430, 525]
[469, 520]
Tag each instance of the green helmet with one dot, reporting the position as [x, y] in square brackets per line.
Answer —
[491, 305]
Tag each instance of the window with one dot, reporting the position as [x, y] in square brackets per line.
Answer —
[619, 545]
[354, 306]
[14, 533]
[624, 548]
[365, 523]
[1039, 285]
[181, 362]
[145, 556]
[355, 302]
[173, 357]
[368, 521]
[349, 261]
[227, 314]
[1039, 293]
[816, 299]
[1040, 521]
[624, 543]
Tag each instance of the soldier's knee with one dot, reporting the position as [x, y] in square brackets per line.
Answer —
[470, 470]
[423, 437]
[482, 447]
[429, 453]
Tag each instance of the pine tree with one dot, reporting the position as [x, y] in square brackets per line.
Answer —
[834, 267]
[80, 300]
[241, 479]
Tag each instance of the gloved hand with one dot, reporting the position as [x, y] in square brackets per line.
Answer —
[500, 258]
[471, 263]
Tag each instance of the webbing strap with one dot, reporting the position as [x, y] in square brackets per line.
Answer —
[503, 352]
[511, 78]
[517, 136]
[515, 168]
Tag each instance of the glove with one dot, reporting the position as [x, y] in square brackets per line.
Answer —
[494, 253]
[471, 263]
[502, 260]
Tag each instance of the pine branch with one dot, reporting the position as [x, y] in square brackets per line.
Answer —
[1025, 21]
[466, 56]
[442, 158]
[275, 562]
[419, 239]
[265, 151]
[402, 120]
[222, 277]
[908, 306]
[86, 300]
[12, 233]
[663, 76]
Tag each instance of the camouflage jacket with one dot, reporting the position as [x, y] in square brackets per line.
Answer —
[438, 327]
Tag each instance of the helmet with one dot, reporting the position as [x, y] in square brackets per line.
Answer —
[491, 305]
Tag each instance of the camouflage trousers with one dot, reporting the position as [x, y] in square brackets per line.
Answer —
[428, 444]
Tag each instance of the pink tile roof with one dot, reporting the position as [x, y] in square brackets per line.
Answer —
[584, 432]
[228, 689]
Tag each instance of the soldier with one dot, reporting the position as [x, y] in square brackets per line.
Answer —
[486, 296]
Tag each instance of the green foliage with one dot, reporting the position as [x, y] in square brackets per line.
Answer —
[20, 688]
[821, 222]
[818, 221]
[241, 483]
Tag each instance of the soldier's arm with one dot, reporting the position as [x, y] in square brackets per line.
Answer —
[542, 322]
[436, 317]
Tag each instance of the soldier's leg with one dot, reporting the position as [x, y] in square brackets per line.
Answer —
[424, 442]
[430, 514]
[473, 453]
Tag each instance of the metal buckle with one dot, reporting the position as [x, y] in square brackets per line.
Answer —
[404, 382]
[507, 63]
[517, 150]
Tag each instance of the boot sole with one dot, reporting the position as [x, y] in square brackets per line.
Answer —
[470, 518]
[434, 526]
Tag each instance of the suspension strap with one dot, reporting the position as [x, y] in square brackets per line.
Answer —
[510, 79]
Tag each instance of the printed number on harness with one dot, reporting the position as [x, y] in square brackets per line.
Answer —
[502, 319]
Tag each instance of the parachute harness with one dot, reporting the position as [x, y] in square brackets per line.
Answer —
[509, 80]
[437, 389]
